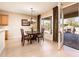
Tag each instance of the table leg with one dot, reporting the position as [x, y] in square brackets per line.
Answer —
[30, 41]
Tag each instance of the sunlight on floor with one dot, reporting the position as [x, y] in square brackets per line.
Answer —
[42, 49]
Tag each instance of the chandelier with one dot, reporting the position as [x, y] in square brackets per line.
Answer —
[31, 19]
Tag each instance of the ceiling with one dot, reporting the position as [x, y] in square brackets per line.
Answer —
[66, 4]
[24, 7]
[69, 7]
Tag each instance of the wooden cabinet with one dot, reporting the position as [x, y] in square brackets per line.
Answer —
[0, 20]
[3, 20]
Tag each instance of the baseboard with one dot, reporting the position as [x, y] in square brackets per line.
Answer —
[48, 40]
[14, 38]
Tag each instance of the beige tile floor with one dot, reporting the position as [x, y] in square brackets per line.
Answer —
[13, 48]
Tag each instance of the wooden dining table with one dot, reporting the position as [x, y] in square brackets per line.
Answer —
[32, 34]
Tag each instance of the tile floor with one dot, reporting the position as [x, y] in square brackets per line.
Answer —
[13, 48]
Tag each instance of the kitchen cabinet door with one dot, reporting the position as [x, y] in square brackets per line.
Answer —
[0, 20]
[4, 20]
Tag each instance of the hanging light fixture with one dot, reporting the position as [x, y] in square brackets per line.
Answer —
[31, 15]
[31, 19]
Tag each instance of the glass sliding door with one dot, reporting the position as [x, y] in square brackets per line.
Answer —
[71, 26]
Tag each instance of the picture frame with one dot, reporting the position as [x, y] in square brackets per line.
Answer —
[25, 22]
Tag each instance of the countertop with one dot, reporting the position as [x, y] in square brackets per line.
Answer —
[2, 30]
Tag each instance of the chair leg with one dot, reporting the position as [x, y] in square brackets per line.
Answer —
[38, 40]
[28, 41]
[43, 38]
[23, 41]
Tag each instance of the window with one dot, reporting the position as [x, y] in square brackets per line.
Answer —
[46, 24]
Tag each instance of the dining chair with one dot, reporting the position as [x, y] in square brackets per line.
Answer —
[40, 35]
[24, 37]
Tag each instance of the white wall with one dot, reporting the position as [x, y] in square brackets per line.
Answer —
[47, 14]
[14, 24]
